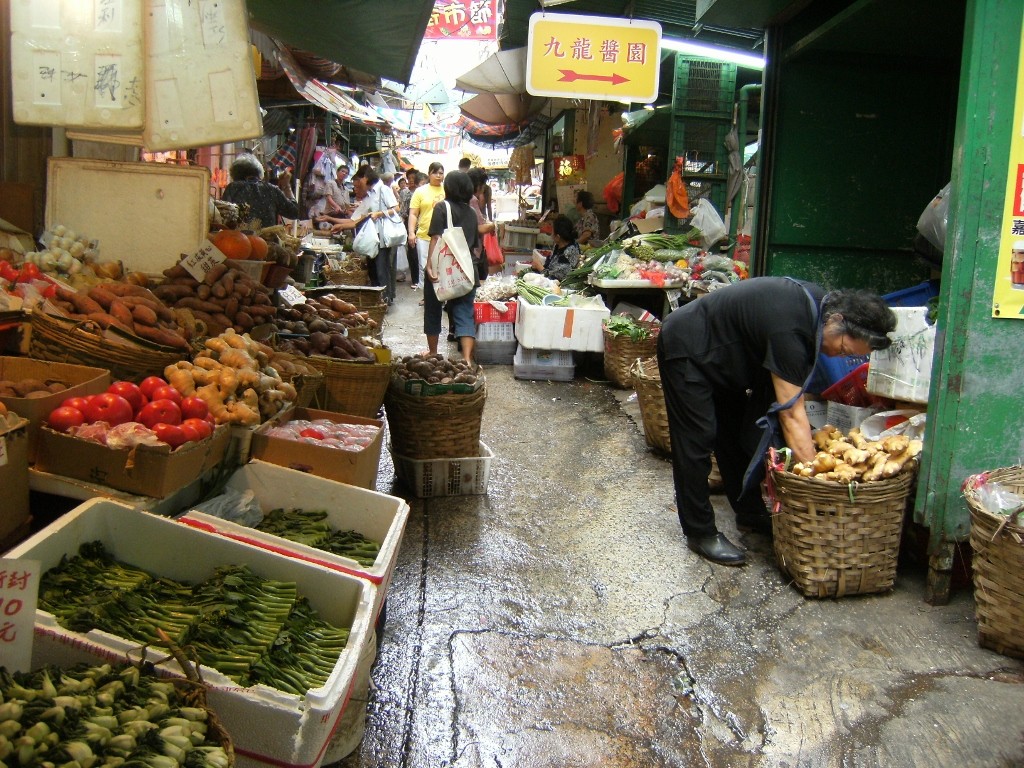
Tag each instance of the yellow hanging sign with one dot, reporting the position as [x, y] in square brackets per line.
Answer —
[593, 57]
[1008, 295]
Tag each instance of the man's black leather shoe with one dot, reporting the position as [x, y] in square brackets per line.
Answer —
[756, 523]
[718, 549]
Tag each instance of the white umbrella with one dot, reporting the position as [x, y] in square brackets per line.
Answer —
[502, 72]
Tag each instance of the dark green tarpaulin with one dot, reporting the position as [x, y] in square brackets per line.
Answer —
[379, 37]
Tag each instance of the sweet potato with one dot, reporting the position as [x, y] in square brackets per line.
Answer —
[198, 304]
[122, 313]
[101, 296]
[143, 314]
[162, 336]
[171, 293]
[215, 273]
[161, 310]
[176, 271]
[83, 305]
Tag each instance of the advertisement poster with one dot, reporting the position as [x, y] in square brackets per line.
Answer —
[1008, 296]
[463, 20]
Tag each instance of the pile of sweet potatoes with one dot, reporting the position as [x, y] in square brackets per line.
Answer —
[126, 306]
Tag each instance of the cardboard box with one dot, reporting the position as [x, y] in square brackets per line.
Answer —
[645, 225]
[81, 380]
[374, 515]
[269, 727]
[14, 510]
[353, 467]
[846, 417]
[577, 329]
[146, 470]
[904, 370]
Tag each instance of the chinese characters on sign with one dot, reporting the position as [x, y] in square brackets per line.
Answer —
[202, 261]
[19, 588]
[1008, 295]
[463, 20]
[593, 57]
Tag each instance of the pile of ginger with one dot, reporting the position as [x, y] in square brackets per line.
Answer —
[853, 458]
[233, 376]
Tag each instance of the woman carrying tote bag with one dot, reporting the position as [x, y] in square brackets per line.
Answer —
[458, 189]
[380, 200]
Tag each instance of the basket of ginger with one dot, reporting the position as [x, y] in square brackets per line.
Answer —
[837, 521]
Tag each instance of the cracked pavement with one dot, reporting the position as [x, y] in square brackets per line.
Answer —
[560, 620]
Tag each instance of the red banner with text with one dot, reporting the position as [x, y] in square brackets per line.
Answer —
[463, 20]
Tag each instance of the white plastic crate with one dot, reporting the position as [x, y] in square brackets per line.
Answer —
[445, 477]
[269, 727]
[374, 515]
[519, 238]
[496, 332]
[543, 364]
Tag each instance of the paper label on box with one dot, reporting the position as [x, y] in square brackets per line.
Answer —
[19, 589]
[292, 296]
[202, 261]
[4, 458]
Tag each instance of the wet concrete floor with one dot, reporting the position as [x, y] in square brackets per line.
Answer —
[560, 621]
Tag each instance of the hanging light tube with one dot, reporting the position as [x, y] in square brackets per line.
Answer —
[713, 52]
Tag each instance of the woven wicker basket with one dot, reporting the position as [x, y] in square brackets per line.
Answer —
[62, 340]
[434, 426]
[834, 539]
[352, 271]
[351, 387]
[307, 387]
[998, 563]
[620, 352]
[376, 313]
[647, 382]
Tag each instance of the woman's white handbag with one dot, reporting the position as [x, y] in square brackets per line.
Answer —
[392, 230]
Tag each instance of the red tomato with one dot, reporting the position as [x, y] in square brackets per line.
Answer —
[200, 426]
[171, 434]
[310, 432]
[194, 407]
[110, 408]
[150, 383]
[64, 417]
[130, 392]
[159, 411]
[166, 392]
[78, 403]
[29, 271]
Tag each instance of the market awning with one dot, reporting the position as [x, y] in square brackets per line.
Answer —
[326, 95]
[381, 37]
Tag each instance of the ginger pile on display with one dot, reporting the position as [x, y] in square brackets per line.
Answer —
[853, 458]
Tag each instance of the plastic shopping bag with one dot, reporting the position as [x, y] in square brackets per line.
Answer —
[709, 222]
[392, 230]
[933, 220]
[366, 243]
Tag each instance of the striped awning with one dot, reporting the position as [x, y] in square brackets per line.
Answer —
[326, 95]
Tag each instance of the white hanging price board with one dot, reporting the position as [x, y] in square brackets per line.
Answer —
[202, 261]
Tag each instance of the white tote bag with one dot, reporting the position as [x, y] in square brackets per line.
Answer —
[392, 230]
[452, 262]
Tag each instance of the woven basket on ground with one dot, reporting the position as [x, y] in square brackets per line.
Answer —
[376, 313]
[350, 272]
[998, 563]
[363, 296]
[307, 387]
[620, 352]
[355, 388]
[835, 539]
[63, 340]
[434, 426]
[653, 414]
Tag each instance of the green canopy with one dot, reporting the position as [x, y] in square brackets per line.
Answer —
[379, 37]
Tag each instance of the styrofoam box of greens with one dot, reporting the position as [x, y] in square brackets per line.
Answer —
[374, 515]
[268, 726]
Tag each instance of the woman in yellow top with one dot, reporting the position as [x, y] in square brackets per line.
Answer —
[421, 206]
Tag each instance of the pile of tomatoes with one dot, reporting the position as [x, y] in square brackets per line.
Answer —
[154, 405]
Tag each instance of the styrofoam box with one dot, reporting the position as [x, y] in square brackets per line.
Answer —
[374, 515]
[543, 365]
[200, 80]
[570, 328]
[904, 370]
[268, 726]
[519, 238]
[466, 476]
[846, 417]
[81, 193]
[352, 725]
[78, 64]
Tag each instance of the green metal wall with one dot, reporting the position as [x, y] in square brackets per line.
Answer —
[975, 418]
[861, 144]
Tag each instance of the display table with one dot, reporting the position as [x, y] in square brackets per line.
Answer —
[658, 300]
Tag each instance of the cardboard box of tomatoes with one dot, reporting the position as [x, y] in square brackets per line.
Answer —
[78, 381]
[139, 438]
[323, 443]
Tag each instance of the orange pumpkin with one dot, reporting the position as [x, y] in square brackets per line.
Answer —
[259, 248]
[233, 243]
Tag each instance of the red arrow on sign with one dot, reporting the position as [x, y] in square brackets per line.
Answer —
[569, 75]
